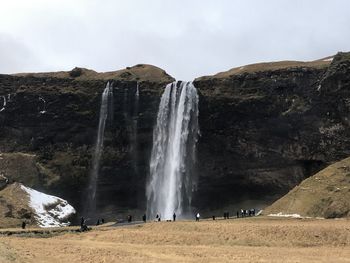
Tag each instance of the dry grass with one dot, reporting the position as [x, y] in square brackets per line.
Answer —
[141, 72]
[270, 66]
[326, 194]
[242, 240]
[13, 206]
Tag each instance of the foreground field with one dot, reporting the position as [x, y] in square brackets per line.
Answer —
[238, 240]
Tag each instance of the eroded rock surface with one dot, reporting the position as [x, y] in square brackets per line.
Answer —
[263, 130]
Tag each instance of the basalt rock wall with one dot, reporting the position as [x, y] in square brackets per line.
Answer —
[48, 132]
[265, 131]
[262, 132]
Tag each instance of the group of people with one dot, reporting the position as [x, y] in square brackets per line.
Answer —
[240, 213]
[246, 212]
[158, 218]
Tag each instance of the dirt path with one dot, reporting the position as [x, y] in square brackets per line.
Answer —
[262, 240]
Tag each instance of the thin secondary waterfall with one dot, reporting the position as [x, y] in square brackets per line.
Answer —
[5, 99]
[3, 103]
[42, 109]
[134, 128]
[172, 179]
[107, 96]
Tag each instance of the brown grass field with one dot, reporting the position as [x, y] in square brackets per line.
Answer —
[258, 239]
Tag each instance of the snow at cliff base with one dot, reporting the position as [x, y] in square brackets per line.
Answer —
[280, 214]
[50, 211]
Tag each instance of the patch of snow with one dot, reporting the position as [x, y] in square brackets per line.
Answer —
[280, 214]
[51, 211]
[328, 59]
[259, 213]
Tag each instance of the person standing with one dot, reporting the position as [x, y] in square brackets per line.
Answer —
[174, 217]
[144, 218]
[197, 217]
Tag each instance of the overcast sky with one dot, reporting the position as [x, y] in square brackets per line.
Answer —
[186, 38]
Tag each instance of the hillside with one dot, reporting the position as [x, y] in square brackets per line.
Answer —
[139, 72]
[19, 203]
[263, 131]
[326, 194]
[271, 66]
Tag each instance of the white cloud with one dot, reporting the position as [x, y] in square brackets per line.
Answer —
[186, 38]
[16, 56]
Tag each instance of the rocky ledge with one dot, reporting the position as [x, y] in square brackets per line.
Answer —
[264, 129]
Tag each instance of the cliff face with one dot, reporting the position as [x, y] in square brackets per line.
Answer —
[49, 127]
[264, 128]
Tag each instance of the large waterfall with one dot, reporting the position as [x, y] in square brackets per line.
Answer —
[107, 97]
[172, 179]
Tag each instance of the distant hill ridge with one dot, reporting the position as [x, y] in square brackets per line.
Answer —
[146, 72]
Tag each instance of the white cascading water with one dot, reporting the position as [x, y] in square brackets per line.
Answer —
[5, 99]
[134, 128]
[107, 95]
[172, 179]
[43, 108]
[3, 104]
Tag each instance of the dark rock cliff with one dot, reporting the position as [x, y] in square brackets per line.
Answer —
[264, 128]
[49, 126]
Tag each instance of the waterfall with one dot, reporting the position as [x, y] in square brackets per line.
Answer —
[110, 103]
[6, 99]
[175, 135]
[134, 128]
[3, 104]
[107, 96]
[43, 109]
